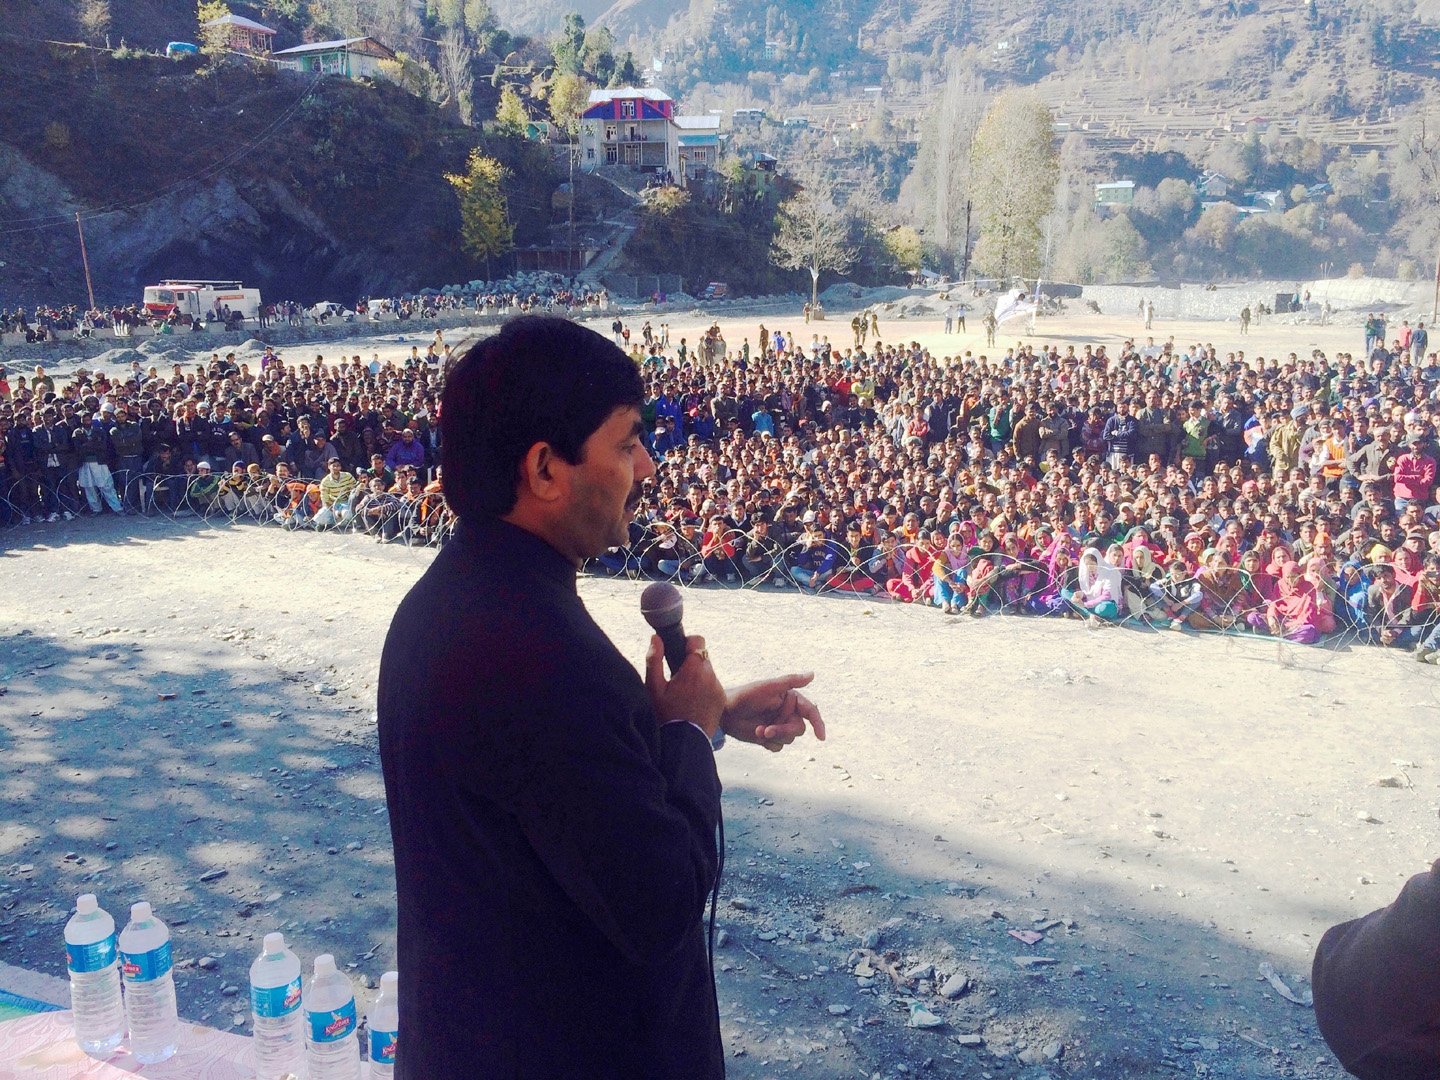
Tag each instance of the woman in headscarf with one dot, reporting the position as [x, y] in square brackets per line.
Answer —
[1135, 583]
[1295, 613]
[1060, 577]
[1017, 574]
[948, 574]
[1259, 585]
[1097, 587]
[1138, 539]
[1221, 589]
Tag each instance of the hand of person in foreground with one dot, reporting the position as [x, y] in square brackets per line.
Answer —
[693, 693]
[772, 712]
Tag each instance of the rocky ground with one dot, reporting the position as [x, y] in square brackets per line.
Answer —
[1027, 849]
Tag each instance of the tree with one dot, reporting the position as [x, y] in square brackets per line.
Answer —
[1416, 184]
[455, 59]
[94, 19]
[486, 231]
[480, 20]
[810, 233]
[569, 94]
[1014, 173]
[939, 184]
[510, 114]
[1123, 247]
[567, 45]
[905, 247]
[214, 40]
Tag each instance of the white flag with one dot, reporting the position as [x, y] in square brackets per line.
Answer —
[1013, 304]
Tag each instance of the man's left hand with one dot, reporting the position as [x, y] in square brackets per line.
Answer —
[772, 713]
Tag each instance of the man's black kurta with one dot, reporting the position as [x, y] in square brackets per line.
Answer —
[1377, 986]
[554, 847]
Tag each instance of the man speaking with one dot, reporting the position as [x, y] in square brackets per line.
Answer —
[554, 818]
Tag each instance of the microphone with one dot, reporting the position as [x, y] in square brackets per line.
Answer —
[663, 608]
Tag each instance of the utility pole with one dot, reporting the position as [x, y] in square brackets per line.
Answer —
[1435, 304]
[573, 152]
[965, 262]
[85, 259]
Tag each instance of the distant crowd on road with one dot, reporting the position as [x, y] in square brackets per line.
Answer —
[45, 322]
[1184, 487]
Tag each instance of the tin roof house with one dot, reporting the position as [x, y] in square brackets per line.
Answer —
[351, 58]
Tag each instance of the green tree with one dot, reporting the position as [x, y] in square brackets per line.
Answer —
[811, 233]
[1123, 247]
[1014, 171]
[905, 248]
[597, 54]
[450, 14]
[480, 20]
[486, 231]
[510, 114]
[214, 40]
[569, 94]
[567, 45]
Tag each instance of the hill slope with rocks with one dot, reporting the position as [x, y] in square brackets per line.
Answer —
[312, 189]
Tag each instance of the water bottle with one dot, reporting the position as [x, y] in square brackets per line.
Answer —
[149, 986]
[384, 1024]
[275, 1004]
[94, 977]
[331, 1049]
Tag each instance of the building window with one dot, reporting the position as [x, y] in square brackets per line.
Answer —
[590, 153]
[627, 110]
[701, 156]
[612, 155]
[609, 132]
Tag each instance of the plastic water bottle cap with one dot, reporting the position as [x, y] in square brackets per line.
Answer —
[274, 943]
[86, 904]
[324, 965]
[139, 912]
[389, 981]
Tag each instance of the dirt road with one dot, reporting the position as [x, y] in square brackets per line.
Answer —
[186, 716]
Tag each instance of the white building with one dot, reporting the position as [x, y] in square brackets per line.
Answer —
[637, 127]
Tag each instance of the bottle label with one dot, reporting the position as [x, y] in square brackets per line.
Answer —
[332, 1026]
[96, 956]
[271, 1002]
[382, 1047]
[146, 966]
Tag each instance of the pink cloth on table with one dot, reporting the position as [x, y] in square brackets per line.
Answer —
[42, 1047]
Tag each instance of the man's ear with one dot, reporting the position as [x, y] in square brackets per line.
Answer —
[542, 473]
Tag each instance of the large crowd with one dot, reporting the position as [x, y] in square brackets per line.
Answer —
[1179, 487]
[45, 322]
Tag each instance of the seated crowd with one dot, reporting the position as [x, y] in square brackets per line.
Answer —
[315, 445]
[1183, 487]
[1179, 486]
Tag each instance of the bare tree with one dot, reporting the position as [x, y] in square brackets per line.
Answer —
[1416, 183]
[455, 58]
[811, 233]
[957, 115]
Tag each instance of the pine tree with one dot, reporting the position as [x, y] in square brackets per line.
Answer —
[486, 231]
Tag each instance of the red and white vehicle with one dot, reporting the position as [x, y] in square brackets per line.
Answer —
[201, 299]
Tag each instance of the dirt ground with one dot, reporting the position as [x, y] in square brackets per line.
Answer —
[186, 717]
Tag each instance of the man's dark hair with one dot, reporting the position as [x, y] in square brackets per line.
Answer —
[540, 379]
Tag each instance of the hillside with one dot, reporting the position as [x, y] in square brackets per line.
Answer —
[310, 189]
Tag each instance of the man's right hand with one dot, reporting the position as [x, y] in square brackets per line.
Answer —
[693, 693]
